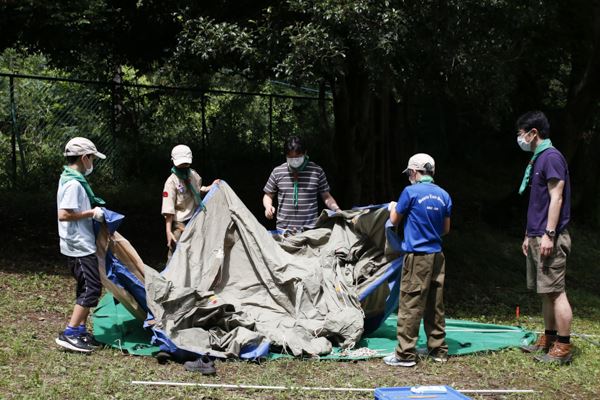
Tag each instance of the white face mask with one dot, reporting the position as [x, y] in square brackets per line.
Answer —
[88, 170]
[295, 162]
[410, 177]
[524, 144]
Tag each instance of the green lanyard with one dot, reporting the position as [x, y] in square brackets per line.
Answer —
[185, 177]
[295, 176]
[544, 145]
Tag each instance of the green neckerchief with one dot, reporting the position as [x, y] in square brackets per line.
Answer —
[544, 145]
[185, 176]
[69, 174]
[426, 179]
[295, 176]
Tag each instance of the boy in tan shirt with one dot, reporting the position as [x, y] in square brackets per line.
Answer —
[181, 195]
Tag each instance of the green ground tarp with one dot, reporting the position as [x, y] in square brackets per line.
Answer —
[117, 327]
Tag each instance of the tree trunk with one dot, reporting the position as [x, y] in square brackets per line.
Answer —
[351, 106]
[580, 142]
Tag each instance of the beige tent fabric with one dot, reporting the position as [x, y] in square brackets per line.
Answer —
[231, 283]
[124, 251]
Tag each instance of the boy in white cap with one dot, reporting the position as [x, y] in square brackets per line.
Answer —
[181, 195]
[424, 209]
[77, 205]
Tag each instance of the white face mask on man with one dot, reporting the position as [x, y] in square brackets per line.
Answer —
[295, 162]
[524, 144]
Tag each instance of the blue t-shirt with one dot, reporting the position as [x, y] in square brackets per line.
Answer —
[549, 165]
[423, 206]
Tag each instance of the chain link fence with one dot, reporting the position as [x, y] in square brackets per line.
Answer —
[235, 135]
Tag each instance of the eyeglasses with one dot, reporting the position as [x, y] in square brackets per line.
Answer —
[522, 132]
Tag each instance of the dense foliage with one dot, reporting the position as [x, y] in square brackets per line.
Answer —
[446, 77]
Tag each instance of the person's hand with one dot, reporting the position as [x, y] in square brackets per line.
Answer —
[546, 246]
[206, 189]
[525, 246]
[391, 206]
[269, 212]
[98, 214]
[171, 240]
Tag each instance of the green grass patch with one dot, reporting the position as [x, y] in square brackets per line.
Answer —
[485, 282]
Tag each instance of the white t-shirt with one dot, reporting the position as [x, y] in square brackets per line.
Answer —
[77, 238]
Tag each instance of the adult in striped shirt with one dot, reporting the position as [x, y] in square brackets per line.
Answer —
[297, 184]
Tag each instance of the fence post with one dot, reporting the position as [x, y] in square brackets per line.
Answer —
[203, 113]
[113, 128]
[271, 127]
[113, 104]
[205, 152]
[204, 128]
[16, 135]
[13, 138]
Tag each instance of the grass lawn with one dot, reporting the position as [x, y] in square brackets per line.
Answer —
[485, 282]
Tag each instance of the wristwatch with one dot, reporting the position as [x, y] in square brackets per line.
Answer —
[551, 233]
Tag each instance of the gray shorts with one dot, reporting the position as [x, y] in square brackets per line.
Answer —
[548, 275]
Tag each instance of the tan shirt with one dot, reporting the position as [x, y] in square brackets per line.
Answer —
[177, 199]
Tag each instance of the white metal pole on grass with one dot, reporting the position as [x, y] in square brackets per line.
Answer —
[226, 386]
[496, 391]
[318, 389]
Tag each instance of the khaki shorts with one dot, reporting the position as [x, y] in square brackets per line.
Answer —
[548, 275]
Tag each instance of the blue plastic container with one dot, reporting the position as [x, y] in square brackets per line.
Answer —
[404, 393]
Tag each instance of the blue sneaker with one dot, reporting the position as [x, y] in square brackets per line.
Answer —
[73, 343]
[396, 362]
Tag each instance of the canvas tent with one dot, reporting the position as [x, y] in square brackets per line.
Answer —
[233, 289]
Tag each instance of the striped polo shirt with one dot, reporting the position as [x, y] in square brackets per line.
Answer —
[311, 182]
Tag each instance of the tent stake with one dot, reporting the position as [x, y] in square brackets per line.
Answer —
[318, 389]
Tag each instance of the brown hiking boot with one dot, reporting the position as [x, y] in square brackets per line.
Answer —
[561, 353]
[543, 343]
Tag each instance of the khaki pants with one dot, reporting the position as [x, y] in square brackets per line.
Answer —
[177, 228]
[422, 297]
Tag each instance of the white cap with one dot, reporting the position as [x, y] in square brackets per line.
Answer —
[421, 162]
[80, 146]
[181, 154]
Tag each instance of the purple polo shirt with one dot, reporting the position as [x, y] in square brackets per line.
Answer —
[549, 165]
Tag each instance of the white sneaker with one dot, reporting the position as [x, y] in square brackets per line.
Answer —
[396, 362]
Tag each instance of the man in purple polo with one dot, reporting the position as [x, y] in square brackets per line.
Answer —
[547, 242]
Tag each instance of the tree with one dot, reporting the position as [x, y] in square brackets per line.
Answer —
[446, 77]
